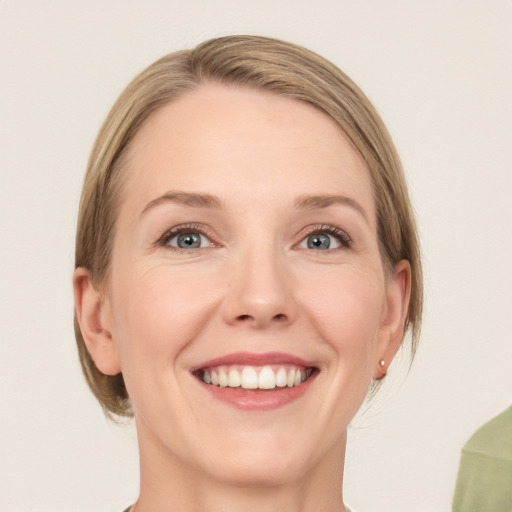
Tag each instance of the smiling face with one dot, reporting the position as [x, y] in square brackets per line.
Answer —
[247, 305]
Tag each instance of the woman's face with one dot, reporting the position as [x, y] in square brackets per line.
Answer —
[246, 252]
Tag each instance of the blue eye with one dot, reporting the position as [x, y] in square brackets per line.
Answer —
[319, 241]
[187, 240]
[325, 238]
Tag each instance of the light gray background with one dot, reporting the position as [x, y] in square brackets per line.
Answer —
[440, 74]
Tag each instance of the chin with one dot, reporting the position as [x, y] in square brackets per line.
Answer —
[263, 464]
[269, 474]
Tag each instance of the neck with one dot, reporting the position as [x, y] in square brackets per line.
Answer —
[169, 484]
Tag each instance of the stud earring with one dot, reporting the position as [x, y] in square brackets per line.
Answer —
[382, 363]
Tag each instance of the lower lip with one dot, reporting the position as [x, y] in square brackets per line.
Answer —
[257, 399]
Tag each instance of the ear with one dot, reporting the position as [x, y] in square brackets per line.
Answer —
[398, 293]
[93, 315]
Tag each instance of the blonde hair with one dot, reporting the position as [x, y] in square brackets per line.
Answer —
[259, 63]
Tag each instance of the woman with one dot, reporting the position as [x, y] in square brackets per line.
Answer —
[247, 265]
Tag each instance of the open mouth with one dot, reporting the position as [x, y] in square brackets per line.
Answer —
[247, 377]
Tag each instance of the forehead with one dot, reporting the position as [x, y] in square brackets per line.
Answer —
[226, 141]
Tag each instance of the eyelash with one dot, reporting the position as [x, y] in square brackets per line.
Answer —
[164, 240]
[316, 229]
[319, 229]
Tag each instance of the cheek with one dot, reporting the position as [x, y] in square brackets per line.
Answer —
[346, 307]
[156, 315]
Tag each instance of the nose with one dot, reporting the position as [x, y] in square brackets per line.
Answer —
[260, 292]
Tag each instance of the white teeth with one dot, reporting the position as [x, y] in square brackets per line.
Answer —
[249, 378]
[223, 379]
[234, 380]
[281, 378]
[290, 381]
[266, 378]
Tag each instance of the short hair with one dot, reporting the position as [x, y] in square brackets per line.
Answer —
[259, 63]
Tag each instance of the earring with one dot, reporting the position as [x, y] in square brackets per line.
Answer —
[382, 365]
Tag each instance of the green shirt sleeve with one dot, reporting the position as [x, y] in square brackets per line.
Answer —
[484, 481]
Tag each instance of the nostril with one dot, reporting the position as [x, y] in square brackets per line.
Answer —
[279, 317]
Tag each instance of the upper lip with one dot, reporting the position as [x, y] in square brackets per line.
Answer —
[254, 359]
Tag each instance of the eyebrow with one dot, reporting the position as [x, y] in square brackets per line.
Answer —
[191, 199]
[313, 202]
[303, 202]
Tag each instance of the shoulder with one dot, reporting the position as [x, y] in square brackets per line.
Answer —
[493, 439]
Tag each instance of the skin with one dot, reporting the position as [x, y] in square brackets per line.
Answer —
[254, 286]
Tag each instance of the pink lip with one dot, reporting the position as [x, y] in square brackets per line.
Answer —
[256, 400]
[252, 359]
